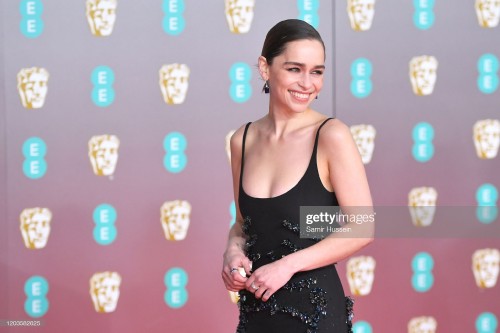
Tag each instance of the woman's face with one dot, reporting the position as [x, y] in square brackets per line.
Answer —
[296, 76]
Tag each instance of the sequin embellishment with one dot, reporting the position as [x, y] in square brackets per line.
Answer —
[317, 297]
[349, 312]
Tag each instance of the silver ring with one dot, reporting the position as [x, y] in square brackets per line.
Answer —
[254, 286]
[234, 269]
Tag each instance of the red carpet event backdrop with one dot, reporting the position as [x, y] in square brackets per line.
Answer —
[116, 185]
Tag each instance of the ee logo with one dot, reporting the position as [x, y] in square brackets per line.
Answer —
[240, 89]
[232, 211]
[308, 11]
[104, 218]
[362, 327]
[361, 84]
[424, 17]
[487, 66]
[175, 160]
[31, 22]
[103, 93]
[173, 22]
[423, 148]
[422, 265]
[176, 294]
[486, 322]
[487, 197]
[34, 151]
[36, 304]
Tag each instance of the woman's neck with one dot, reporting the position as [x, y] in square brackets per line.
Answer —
[279, 123]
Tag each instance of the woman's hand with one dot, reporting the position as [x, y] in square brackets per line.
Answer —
[266, 280]
[235, 265]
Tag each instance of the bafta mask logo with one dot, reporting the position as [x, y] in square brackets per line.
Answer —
[239, 15]
[32, 86]
[101, 16]
[174, 82]
[488, 13]
[486, 265]
[228, 144]
[422, 325]
[105, 291]
[423, 74]
[364, 136]
[422, 205]
[35, 227]
[361, 13]
[360, 274]
[175, 219]
[103, 154]
[487, 138]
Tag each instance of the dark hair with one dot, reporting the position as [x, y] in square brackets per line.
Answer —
[285, 32]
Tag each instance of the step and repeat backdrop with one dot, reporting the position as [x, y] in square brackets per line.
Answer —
[116, 184]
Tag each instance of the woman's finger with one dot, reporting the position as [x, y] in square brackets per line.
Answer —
[266, 295]
[247, 265]
[252, 285]
[235, 274]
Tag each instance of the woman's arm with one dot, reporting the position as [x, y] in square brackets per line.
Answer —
[348, 178]
[234, 255]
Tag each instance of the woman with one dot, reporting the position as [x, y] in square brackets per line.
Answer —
[279, 163]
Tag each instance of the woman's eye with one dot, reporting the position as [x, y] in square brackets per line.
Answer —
[294, 69]
[318, 72]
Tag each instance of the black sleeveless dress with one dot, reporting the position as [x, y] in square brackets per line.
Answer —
[312, 301]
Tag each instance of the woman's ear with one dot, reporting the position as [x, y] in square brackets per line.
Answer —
[263, 68]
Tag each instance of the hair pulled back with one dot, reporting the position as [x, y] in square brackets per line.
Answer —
[285, 32]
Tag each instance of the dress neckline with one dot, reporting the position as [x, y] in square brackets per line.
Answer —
[242, 190]
[312, 160]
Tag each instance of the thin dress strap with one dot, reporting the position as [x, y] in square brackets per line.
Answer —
[315, 149]
[243, 153]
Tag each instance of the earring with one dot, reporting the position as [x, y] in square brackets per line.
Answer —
[266, 88]
[316, 96]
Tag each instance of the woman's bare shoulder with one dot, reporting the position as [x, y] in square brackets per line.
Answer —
[237, 138]
[335, 132]
[236, 141]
